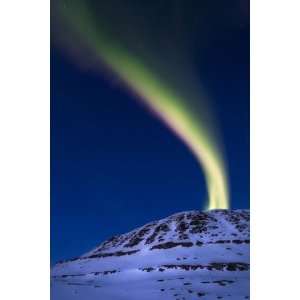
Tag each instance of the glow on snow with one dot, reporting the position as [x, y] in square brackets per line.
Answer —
[159, 97]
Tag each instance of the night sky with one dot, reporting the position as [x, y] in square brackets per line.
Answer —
[115, 166]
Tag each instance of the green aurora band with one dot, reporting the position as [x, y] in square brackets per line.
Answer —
[156, 94]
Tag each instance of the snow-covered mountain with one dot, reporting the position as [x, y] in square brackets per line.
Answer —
[189, 255]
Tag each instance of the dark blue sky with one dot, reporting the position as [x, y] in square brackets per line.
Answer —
[114, 166]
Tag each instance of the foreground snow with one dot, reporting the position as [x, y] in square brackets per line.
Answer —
[189, 255]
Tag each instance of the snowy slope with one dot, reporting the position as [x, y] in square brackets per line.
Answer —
[189, 255]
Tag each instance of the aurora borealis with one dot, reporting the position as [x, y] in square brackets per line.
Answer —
[165, 99]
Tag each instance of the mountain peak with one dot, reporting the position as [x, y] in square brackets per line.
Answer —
[180, 229]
